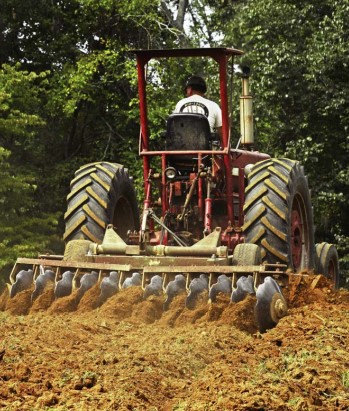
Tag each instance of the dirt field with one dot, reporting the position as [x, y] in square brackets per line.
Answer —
[129, 355]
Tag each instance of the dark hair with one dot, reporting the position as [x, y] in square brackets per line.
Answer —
[197, 83]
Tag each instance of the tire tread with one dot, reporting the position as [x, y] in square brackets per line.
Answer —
[272, 187]
[95, 190]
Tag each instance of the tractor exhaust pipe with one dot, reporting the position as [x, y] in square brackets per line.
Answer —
[246, 110]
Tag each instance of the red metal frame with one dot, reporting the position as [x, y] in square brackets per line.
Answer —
[238, 158]
[221, 56]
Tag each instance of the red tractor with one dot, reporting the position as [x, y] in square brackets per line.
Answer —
[214, 218]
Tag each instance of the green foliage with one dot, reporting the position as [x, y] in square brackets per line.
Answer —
[19, 91]
[345, 379]
[71, 101]
[299, 59]
[21, 231]
[73, 97]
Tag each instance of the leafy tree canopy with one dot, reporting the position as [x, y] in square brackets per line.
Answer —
[68, 95]
[299, 57]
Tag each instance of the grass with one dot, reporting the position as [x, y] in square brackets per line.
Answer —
[66, 377]
[345, 379]
[293, 402]
[181, 406]
[290, 360]
[3, 316]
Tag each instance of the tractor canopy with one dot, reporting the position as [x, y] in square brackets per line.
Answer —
[221, 55]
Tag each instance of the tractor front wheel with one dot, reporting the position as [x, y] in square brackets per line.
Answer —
[247, 254]
[327, 262]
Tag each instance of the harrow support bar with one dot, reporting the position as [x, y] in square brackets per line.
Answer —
[113, 244]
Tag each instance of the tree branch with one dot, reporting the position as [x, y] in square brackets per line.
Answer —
[178, 22]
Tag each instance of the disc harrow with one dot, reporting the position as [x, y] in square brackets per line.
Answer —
[235, 281]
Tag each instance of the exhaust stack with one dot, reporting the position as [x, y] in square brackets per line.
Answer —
[246, 111]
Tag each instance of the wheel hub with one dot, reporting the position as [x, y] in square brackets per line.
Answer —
[278, 307]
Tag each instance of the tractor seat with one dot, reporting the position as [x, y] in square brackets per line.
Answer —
[188, 131]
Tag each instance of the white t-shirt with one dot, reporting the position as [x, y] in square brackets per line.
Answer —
[201, 105]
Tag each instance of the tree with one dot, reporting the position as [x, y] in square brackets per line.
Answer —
[300, 80]
[22, 228]
[70, 101]
[77, 100]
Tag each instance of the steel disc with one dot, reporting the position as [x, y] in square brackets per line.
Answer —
[24, 280]
[244, 286]
[271, 305]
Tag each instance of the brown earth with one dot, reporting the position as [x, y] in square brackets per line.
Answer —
[130, 355]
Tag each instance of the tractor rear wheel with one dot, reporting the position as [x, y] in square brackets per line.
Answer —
[327, 262]
[100, 194]
[278, 213]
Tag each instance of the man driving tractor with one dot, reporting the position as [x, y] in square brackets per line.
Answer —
[195, 102]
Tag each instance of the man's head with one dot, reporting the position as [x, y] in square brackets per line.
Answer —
[196, 84]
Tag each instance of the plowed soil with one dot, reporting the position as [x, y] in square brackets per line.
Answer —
[130, 355]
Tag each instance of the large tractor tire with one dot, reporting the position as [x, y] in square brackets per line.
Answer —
[101, 194]
[279, 215]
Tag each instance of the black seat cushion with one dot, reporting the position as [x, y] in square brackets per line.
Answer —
[188, 131]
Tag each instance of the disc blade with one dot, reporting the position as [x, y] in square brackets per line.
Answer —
[197, 286]
[223, 285]
[271, 305]
[244, 286]
[24, 280]
[174, 288]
